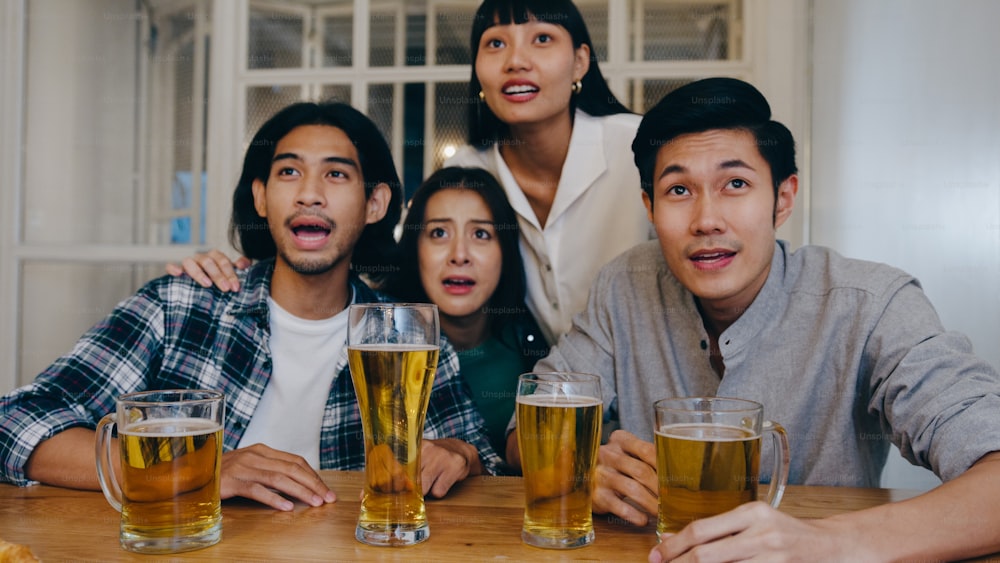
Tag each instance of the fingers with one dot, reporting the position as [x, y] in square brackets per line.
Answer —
[211, 267]
[611, 490]
[387, 475]
[269, 476]
[441, 466]
[626, 477]
[635, 447]
[216, 266]
[741, 533]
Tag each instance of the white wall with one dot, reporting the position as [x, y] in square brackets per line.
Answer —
[906, 151]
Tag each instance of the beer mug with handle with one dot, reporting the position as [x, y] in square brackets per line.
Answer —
[558, 433]
[708, 457]
[393, 352]
[170, 447]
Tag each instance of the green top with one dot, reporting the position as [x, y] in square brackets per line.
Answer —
[491, 370]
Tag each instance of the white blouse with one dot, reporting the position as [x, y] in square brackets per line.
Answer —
[597, 214]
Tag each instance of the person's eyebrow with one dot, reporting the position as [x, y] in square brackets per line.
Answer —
[292, 156]
[735, 163]
[724, 165]
[672, 169]
[450, 220]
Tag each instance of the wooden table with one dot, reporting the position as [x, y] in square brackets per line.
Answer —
[480, 519]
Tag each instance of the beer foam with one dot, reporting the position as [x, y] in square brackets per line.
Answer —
[171, 427]
[543, 400]
[703, 432]
[393, 347]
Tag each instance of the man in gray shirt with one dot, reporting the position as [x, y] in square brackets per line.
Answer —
[847, 355]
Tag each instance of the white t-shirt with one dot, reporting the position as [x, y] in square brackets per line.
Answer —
[289, 415]
[597, 214]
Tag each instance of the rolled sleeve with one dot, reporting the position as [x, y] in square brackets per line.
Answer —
[938, 399]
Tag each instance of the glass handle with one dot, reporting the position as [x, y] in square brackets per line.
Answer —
[105, 467]
[782, 458]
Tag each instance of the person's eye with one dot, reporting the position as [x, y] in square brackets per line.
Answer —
[494, 43]
[677, 190]
[337, 174]
[544, 38]
[436, 232]
[483, 234]
[286, 171]
[737, 183]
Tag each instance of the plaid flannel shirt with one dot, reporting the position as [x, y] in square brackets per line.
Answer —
[175, 334]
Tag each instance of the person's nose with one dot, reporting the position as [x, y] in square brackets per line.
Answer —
[518, 57]
[459, 252]
[708, 217]
[310, 192]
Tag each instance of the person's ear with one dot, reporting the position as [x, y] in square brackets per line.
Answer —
[648, 202]
[378, 203]
[581, 62]
[785, 201]
[259, 201]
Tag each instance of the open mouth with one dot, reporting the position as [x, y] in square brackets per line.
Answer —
[458, 282]
[310, 229]
[520, 89]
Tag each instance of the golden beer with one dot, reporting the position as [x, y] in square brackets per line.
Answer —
[393, 384]
[558, 436]
[704, 470]
[170, 480]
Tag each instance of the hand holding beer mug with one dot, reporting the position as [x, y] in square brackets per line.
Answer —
[171, 463]
[393, 351]
[708, 457]
[558, 432]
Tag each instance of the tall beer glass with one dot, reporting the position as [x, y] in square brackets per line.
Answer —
[393, 351]
[558, 432]
[708, 457]
[170, 444]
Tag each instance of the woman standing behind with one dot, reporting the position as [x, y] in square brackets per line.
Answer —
[459, 250]
[547, 126]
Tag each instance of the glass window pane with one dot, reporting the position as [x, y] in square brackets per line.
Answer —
[61, 300]
[646, 93]
[450, 120]
[81, 101]
[276, 37]
[381, 101]
[595, 15]
[336, 93]
[265, 101]
[453, 24]
[416, 38]
[382, 46]
[693, 30]
[338, 40]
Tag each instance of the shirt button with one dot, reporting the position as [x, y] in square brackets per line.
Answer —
[548, 267]
[555, 306]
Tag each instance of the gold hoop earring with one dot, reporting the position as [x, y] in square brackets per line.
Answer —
[482, 96]
[577, 86]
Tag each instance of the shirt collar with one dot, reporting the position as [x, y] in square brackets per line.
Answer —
[256, 284]
[766, 307]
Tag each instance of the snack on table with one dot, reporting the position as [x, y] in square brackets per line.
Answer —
[15, 553]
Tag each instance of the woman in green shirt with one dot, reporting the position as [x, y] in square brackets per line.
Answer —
[459, 249]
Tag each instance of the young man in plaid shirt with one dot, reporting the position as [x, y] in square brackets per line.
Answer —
[316, 203]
